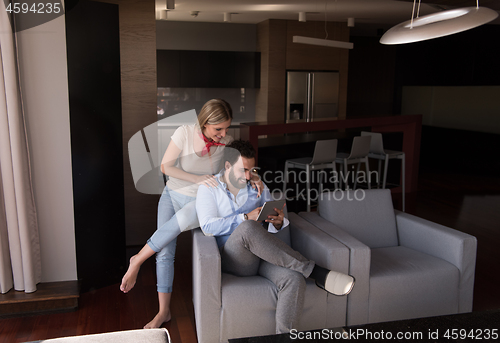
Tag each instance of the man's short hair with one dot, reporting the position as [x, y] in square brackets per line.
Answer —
[238, 148]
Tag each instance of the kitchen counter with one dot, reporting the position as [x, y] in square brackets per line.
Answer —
[306, 137]
[409, 125]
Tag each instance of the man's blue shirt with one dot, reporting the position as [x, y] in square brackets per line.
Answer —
[220, 212]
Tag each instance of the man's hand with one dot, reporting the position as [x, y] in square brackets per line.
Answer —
[254, 214]
[277, 220]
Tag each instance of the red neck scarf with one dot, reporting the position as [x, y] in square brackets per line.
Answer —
[209, 144]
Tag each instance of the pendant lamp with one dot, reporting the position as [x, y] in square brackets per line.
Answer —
[322, 42]
[438, 24]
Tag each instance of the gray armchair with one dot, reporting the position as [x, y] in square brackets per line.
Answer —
[405, 267]
[227, 306]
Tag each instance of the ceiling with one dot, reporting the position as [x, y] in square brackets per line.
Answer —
[366, 12]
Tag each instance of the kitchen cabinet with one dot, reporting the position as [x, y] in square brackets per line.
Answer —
[208, 69]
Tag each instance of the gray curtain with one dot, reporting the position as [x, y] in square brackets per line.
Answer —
[20, 265]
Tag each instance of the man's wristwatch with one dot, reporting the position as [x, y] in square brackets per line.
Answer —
[245, 216]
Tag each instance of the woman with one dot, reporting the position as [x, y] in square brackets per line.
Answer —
[191, 159]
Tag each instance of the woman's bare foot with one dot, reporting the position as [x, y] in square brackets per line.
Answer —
[158, 320]
[136, 261]
[130, 277]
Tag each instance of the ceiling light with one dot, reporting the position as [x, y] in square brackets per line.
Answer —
[170, 4]
[302, 17]
[227, 17]
[438, 25]
[323, 42]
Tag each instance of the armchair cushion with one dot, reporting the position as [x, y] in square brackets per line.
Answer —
[368, 217]
[405, 283]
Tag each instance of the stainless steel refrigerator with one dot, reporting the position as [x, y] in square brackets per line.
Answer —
[311, 96]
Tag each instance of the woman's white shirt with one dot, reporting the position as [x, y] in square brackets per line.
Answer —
[192, 163]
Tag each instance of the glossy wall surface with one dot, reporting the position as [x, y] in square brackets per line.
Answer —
[93, 47]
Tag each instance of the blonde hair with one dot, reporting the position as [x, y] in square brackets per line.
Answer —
[214, 112]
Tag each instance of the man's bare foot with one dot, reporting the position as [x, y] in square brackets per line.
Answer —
[158, 320]
[130, 277]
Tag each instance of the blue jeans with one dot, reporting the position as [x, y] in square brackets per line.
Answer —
[176, 213]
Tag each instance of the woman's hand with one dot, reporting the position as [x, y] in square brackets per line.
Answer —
[207, 180]
[256, 182]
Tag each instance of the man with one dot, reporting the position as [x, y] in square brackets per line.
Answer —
[229, 212]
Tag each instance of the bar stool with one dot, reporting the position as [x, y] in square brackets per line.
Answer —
[359, 153]
[324, 155]
[378, 152]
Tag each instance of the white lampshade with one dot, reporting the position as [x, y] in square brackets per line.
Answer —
[302, 17]
[438, 25]
[227, 17]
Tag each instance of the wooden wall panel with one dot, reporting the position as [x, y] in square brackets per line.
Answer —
[139, 97]
[312, 57]
[262, 94]
[277, 71]
[271, 42]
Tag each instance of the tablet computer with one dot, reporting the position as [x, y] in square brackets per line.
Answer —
[268, 209]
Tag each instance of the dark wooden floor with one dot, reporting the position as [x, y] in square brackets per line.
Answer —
[108, 309]
[468, 203]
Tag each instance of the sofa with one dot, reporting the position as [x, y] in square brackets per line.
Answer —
[130, 336]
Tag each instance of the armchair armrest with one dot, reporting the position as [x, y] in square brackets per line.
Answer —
[451, 245]
[359, 267]
[318, 246]
[326, 252]
[206, 287]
